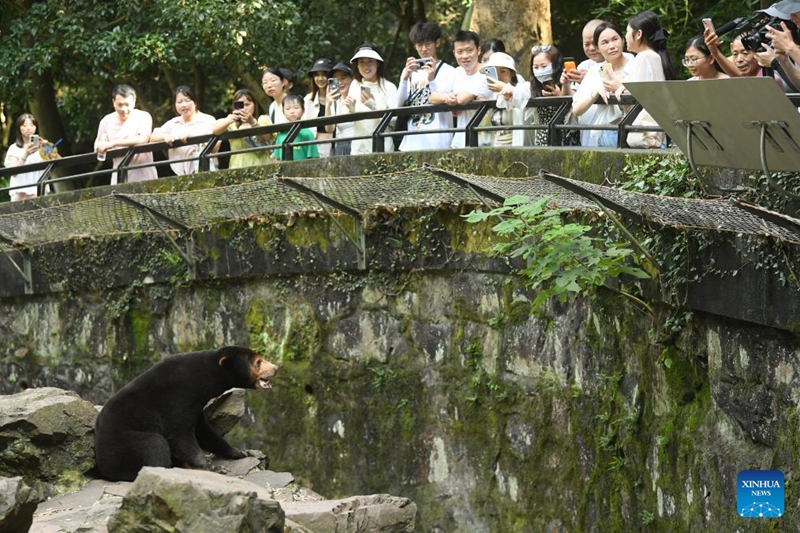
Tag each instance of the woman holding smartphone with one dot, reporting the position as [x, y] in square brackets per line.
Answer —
[243, 116]
[316, 100]
[25, 151]
[369, 92]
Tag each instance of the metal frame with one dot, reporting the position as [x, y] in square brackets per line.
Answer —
[358, 240]
[26, 270]
[156, 216]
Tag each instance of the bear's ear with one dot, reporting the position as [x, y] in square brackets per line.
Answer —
[227, 353]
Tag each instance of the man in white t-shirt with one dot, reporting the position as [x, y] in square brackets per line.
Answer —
[466, 84]
[419, 79]
[126, 126]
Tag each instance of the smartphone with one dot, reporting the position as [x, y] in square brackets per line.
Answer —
[707, 24]
[490, 72]
[422, 61]
[569, 64]
[333, 85]
[366, 91]
[35, 139]
[238, 105]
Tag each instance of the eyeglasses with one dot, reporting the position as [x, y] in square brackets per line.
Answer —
[690, 61]
[425, 46]
[541, 48]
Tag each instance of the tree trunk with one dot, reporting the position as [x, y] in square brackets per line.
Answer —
[44, 108]
[520, 24]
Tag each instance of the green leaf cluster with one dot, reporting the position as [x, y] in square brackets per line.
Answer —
[561, 256]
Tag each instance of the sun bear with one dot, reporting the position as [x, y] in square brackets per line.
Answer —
[157, 419]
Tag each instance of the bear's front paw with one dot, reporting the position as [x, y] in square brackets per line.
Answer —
[235, 453]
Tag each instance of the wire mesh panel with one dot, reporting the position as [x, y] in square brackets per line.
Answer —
[407, 188]
[410, 188]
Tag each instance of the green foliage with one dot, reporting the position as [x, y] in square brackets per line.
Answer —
[560, 257]
[81, 49]
[665, 176]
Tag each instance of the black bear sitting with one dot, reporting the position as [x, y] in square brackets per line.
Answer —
[157, 419]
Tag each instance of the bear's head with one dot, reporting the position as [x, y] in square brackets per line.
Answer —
[250, 369]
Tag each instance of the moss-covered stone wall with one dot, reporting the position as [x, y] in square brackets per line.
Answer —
[425, 375]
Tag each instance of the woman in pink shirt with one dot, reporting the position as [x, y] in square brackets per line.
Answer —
[190, 122]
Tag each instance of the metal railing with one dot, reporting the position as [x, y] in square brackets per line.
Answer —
[555, 126]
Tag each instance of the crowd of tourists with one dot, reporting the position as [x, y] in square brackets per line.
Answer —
[485, 71]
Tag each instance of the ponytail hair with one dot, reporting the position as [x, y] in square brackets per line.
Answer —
[655, 36]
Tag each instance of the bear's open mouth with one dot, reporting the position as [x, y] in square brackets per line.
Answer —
[264, 384]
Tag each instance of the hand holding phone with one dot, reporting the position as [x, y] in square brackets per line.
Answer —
[707, 24]
[35, 140]
[569, 64]
[238, 104]
[333, 85]
[367, 91]
[490, 72]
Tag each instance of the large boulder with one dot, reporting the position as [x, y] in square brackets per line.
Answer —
[378, 513]
[17, 504]
[46, 434]
[195, 501]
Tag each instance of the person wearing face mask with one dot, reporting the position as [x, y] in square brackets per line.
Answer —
[546, 68]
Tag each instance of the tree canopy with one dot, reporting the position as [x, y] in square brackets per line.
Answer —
[60, 58]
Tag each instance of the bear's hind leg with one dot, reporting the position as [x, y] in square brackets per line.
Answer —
[130, 451]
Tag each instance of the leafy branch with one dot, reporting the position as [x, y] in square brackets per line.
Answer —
[560, 257]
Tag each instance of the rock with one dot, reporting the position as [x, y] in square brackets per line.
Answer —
[17, 504]
[195, 501]
[359, 514]
[85, 511]
[46, 434]
[224, 412]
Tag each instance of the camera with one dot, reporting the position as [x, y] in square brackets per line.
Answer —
[753, 30]
[333, 84]
[238, 105]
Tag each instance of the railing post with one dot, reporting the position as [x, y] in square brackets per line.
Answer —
[378, 140]
[470, 135]
[287, 151]
[204, 159]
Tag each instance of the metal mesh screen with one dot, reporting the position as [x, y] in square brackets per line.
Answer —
[418, 187]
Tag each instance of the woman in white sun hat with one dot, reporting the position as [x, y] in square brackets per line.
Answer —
[503, 86]
[370, 91]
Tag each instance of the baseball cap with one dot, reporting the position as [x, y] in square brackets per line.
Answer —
[773, 11]
[787, 7]
[341, 67]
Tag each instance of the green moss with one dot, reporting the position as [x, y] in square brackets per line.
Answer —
[140, 320]
[310, 232]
